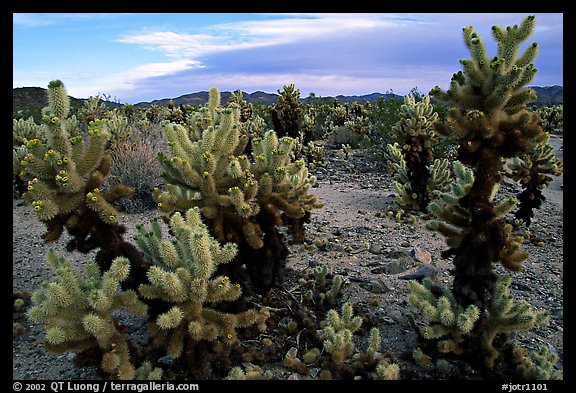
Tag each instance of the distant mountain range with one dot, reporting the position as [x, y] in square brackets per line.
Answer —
[35, 98]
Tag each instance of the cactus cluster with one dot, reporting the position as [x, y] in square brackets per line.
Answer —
[454, 328]
[533, 170]
[80, 313]
[552, 118]
[64, 177]
[243, 200]
[419, 177]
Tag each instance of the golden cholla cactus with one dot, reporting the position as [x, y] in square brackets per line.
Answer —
[492, 123]
[419, 177]
[183, 274]
[79, 313]
[491, 120]
[534, 170]
[65, 174]
[244, 199]
[453, 327]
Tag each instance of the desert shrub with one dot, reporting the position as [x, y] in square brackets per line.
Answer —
[134, 164]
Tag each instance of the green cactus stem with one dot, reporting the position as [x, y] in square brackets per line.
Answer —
[533, 171]
[419, 175]
[64, 175]
[184, 274]
[79, 313]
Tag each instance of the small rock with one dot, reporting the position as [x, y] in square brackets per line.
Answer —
[421, 255]
[375, 286]
[166, 360]
[375, 248]
[393, 267]
[421, 273]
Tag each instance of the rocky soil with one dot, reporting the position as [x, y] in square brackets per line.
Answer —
[375, 254]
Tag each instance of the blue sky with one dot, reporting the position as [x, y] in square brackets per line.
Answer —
[141, 57]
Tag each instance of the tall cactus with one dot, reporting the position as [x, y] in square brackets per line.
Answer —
[287, 113]
[419, 176]
[65, 174]
[242, 200]
[490, 118]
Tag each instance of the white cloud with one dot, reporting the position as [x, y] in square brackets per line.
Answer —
[126, 83]
[261, 33]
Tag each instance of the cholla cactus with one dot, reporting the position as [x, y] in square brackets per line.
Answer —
[25, 130]
[552, 118]
[446, 318]
[78, 312]
[287, 113]
[532, 171]
[491, 120]
[242, 200]
[314, 154]
[62, 170]
[65, 175]
[118, 128]
[438, 177]
[92, 110]
[146, 372]
[537, 365]
[183, 275]
[321, 290]
[458, 330]
[419, 177]
[337, 333]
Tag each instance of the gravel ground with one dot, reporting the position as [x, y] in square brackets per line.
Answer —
[374, 253]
